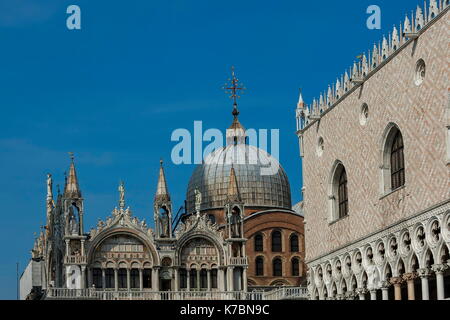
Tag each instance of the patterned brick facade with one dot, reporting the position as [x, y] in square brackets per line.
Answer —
[392, 96]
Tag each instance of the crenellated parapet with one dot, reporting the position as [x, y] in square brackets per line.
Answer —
[370, 62]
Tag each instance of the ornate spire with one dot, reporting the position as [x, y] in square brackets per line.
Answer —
[233, 194]
[162, 193]
[72, 188]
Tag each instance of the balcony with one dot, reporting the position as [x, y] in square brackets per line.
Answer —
[75, 259]
[239, 261]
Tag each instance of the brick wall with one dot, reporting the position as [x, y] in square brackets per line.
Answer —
[419, 112]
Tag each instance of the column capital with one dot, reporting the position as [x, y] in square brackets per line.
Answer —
[361, 291]
[424, 272]
[396, 280]
[439, 268]
[385, 285]
[350, 295]
[409, 276]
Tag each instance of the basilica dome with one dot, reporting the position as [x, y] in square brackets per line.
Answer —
[261, 180]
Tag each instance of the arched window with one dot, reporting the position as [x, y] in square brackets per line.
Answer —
[294, 243]
[109, 275]
[277, 267]
[193, 278]
[342, 194]
[295, 267]
[122, 278]
[134, 278]
[147, 278]
[203, 279]
[259, 266]
[397, 162]
[214, 278]
[276, 241]
[338, 196]
[259, 245]
[393, 167]
[97, 277]
[183, 279]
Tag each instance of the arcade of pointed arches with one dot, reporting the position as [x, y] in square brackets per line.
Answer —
[412, 264]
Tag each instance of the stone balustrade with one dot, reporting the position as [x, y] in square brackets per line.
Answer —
[75, 259]
[93, 294]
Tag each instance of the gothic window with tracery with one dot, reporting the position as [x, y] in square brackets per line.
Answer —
[343, 194]
[397, 162]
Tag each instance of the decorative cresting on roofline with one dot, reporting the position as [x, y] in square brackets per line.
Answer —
[198, 222]
[370, 62]
[122, 218]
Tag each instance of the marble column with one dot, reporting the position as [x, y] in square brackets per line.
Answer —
[385, 290]
[141, 280]
[198, 279]
[220, 280]
[155, 279]
[90, 281]
[397, 283]
[103, 279]
[177, 281]
[439, 270]
[83, 277]
[244, 279]
[424, 274]
[116, 279]
[373, 294]
[361, 293]
[230, 274]
[67, 248]
[188, 271]
[209, 279]
[128, 280]
[409, 278]
[82, 247]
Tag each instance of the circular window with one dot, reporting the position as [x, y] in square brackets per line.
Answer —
[420, 72]
[320, 147]
[364, 115]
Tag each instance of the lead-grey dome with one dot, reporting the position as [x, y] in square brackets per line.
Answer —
[256, 189]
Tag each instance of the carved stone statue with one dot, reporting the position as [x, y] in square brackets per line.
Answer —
[164, 218]
[49, 186]
[73, 227]
[121, 195]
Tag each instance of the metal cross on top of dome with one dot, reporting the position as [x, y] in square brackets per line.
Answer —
[233, 88]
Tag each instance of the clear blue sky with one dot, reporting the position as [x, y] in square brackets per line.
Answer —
[114, 92]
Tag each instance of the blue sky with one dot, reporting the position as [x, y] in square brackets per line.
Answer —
[114, 91]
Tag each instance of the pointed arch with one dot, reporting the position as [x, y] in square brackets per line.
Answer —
[338, 192]
[392, 159]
